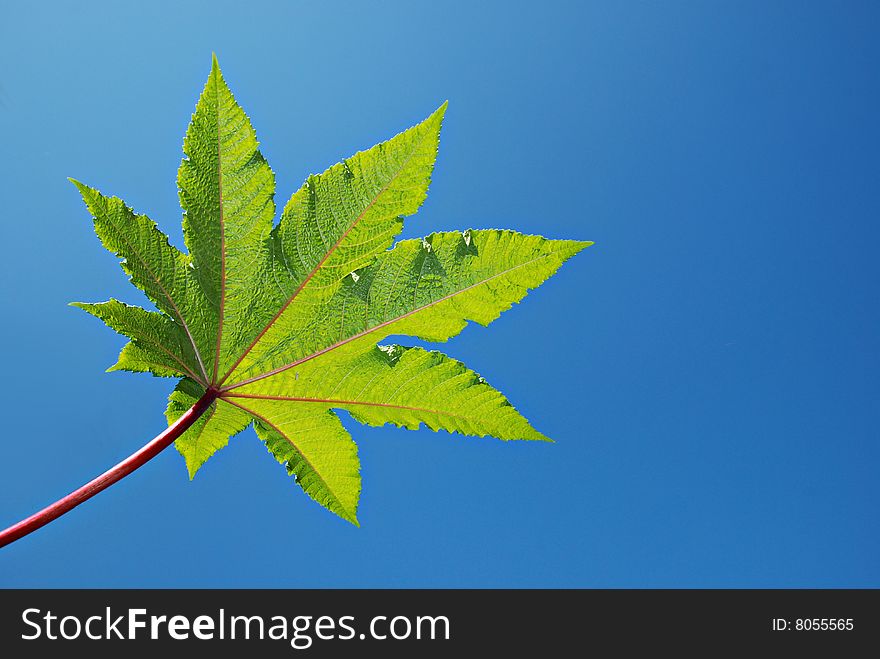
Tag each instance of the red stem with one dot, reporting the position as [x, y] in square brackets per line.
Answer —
[105, 480]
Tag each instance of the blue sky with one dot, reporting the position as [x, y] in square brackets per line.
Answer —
[709, 369]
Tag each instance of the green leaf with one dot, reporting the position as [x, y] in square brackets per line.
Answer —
[397, 385]
[154, 266]
[426, 288]
[281, 323]
[314, 447]
[227, 192]
[157, 344]
[337, 222]
[210, 432]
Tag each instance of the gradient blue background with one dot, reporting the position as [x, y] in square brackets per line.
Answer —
[709, 369]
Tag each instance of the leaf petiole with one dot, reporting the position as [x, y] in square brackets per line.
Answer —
[105, 480]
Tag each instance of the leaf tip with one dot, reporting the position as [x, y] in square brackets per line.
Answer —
[438, 114]
[192, 465]
[82, 187]
[568, 248]
[215, 77]
[348, 512]
[536, 436]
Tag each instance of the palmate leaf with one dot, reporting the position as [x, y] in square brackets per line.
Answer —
[282, 323]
